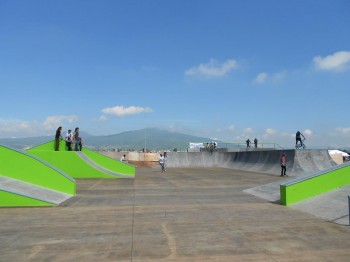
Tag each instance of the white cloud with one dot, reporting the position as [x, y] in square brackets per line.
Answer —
[213, 68]
[264, 78]
[245, 134]
[248, 130]
[231, 128]
[20, 128]
[14, 127]
[261, 78]
[343, 130]
[121, 111]
[308, 132]
[270, 132]
[277, 77]
[52, 122]
[335, 62]
[103, 118]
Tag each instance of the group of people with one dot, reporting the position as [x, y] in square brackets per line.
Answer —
[73, 140]
[255, 143]
[299, 138]
[211, 145]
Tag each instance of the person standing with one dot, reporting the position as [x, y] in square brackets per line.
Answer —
[256, 142]
[248, 143]
[76, 139]
[58, 136]
[283, 165]
[69, 139]
[162, 162]
[80, 143]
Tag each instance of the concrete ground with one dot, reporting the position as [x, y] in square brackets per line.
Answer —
[182, 215]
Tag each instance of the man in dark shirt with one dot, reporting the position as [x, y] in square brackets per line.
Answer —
[58, 136]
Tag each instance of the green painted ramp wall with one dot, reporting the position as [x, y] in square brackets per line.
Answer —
[8, 199]
[26, 167]
[319, 183]
[50, 146]
[70, 163]
[110, 163]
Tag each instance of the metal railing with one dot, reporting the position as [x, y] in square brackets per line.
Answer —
[233, 146]
[349, 208]
[252, 145]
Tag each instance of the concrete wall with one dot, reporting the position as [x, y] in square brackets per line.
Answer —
[132, 156]
[267, 161]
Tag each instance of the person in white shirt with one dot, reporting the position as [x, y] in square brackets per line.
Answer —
[162, 162]
[69, 139]
[123, 159]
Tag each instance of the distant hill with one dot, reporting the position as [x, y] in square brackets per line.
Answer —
[150, 138]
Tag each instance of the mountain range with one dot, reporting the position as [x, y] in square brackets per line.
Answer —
[149, 138]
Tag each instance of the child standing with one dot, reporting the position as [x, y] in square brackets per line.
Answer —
[283, 165]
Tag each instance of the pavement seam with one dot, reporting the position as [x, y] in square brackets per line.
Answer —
[132, 226]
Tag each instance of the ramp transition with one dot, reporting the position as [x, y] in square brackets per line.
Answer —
[83, 164]
[26, 180]
[15, 192]
[299, 162]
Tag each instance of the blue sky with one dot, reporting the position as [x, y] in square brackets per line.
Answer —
[224, 69]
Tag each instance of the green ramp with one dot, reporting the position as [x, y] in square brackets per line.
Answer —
[26, 180]
[303, 188]
[110, 163]
[85, 164]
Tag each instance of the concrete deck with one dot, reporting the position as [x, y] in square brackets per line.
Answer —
[185, 214]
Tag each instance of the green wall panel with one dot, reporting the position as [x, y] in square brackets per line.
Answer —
[110, 163]
[70, 163]
[8, 199]
[315, 185]
[25, 167]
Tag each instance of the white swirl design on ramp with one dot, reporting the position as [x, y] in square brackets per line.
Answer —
[33, 191]
[98, 167]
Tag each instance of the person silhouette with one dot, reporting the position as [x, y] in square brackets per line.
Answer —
[298, 136]
[248, 143]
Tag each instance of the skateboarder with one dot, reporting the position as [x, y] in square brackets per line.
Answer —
[298, 136]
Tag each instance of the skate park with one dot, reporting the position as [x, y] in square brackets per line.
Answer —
[219, 206]
[41, 176]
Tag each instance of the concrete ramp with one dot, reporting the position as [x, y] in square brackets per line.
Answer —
[270, 192]
[18, 193]
[308, 163]
[299, 162]
[331, 206]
